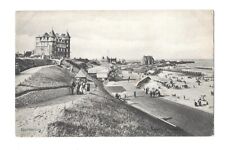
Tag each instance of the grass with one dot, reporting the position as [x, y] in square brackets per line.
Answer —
[96, 115]
[53, 76]
[26, 63]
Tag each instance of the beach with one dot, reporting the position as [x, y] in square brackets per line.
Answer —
[187, 88]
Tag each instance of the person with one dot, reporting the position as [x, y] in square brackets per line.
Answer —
[157, 93]
[199, 82]
[72, 86]
[117, 96]
[146, 90]
[88, 86]
[150, 93]
[81, 89]
[84, 88]
[135, 95]
[78, 88]
[128, 78]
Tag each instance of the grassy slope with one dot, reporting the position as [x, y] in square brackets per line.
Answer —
[96, 115]
[26, 63]
[46, 77]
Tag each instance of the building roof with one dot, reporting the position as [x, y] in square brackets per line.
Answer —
[46, 34]
[147, 56]
[67, 35]
[102, 75]
[143, 81]
[99, 69]
[53, 34]
[81, 74]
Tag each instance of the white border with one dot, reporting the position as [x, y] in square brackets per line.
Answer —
[8, 139]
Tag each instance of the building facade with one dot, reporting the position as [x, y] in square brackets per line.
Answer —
[53, 45]
[148, 60]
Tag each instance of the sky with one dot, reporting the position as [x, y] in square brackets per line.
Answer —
[124, 34]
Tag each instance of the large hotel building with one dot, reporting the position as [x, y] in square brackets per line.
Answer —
[53, 45]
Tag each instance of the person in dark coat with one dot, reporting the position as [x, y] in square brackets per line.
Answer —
[88, 86]
[146, 90]
[78, 89]
[73, 86]
[150, 93]
[135, 94]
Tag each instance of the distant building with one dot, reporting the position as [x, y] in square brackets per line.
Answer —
[53, 45]
[111, 60]
[148, 60]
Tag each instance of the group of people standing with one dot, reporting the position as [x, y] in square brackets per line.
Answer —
[80, 87]
[153, 92]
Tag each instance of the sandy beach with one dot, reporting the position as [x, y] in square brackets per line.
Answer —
[186, 96]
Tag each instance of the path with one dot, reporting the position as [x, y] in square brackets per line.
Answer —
[193, 121]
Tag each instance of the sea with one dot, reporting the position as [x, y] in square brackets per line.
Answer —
[205, 66]
[204, 63]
